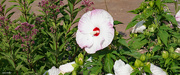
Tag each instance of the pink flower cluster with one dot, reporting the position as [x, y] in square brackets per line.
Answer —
[50, 4]
[39, 20]
[88, 4]
[27, 31]
[3, 21]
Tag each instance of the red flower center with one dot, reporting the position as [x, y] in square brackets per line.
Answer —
[97, 31]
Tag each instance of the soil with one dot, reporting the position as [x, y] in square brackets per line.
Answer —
[117, 8]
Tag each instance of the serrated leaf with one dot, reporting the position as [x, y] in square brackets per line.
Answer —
[37, 57]
[108, 64]
[147, 69]
[10, 8]
[36, 47]
[131, 24]
[3, 2]
[123, 42]
[11, 62]
[113, 56]
[77, 20]
[9, 15]
[19, 67]
[156, 48]
[138, 44]
[70, 6]
[171, 18]
[168, 1]
[158, 3]
[117, 22]
[96, 70]
[163, 36]
[22, 58]
[133, 53]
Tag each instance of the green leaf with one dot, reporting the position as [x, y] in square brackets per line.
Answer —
[163, 36]
[10, 8]
[3, 2]
[158, 3]
[113, 56]
[170, 18]
[30, 1]
[9, 15]
[37, 57]
[131, 24]
[37, 47]
[117, 22]
[156, 48]
[147, 12]
[70, 6]
[108, 64]
[123, 42]
[13, 1]
[133, 53]
[147, 69]
[16, 52]
[22, 58]
[138, 44]
[19, 67]
[77, 20]
[168, 1]
[96, 70]
[41, 69]
[11, 62]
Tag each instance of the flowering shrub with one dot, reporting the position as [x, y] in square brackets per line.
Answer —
[57, 42]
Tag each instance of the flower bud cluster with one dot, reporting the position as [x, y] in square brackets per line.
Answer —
[88, 4]
[27, 31]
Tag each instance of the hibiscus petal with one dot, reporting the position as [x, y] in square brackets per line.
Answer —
[66, 67]
[53, 71]
[85, 24]
[84, 40]
[124, 70]
[121, 68]
[100, 16]
[97, 45]
[178, 16]
[118, 63]
[104, 21]
[157, 70]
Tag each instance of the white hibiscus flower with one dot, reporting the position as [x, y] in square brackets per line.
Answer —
[178, 18]
[66, 68]
[139, 27]
[109, 74]
[177, 50]
[157, 70]
[95, 30]
[53, 71]
[120, 68]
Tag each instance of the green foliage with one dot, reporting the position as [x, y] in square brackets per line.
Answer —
[157, 38]
[54, 44]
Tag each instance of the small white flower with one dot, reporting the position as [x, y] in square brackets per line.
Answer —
[177, 50]
[157, 70]
[95, 30]
[53, 71]
[109, 74]
[89, 59]
[121, 68]
[66, 68]
[139, 27]
[178, 18]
